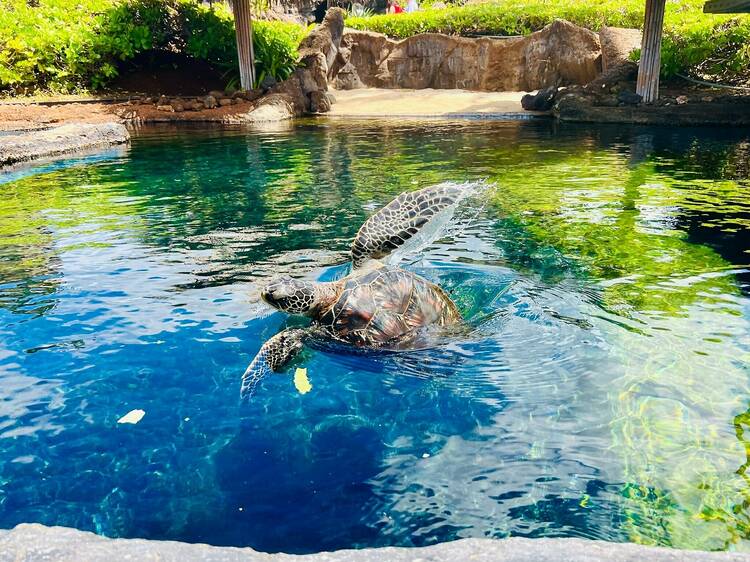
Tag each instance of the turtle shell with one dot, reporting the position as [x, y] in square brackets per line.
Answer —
[386, 307]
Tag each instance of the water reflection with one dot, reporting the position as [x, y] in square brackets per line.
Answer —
[602, 391]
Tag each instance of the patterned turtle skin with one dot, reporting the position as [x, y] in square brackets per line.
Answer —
[400, 220]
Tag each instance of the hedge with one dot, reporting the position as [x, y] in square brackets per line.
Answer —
[74, 45]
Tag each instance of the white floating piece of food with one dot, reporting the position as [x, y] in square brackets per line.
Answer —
[133, 416]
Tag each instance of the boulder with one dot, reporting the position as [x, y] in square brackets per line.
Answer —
[560, 54]
[543, 100]
[629, 98]
[319, 102]
[326, 38]
[305, 90]
[248, 95]
[619, 75]
[268, 82]
[319, 50]
[292, 90]
[273, 107]
[347, 78]
[223, 102]
[617, 44]
[209, 101]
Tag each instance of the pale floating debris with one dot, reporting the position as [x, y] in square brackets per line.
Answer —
[308, 226]
[301, 382]
[426, 456]
[133, 416]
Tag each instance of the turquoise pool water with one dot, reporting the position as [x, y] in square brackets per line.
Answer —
[604, 393]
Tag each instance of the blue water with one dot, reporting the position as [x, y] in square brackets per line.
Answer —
[598, 395]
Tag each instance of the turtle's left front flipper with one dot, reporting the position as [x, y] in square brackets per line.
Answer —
[274, 354]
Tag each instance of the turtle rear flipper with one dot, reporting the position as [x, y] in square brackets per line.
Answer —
[415, 216]
[271, 357]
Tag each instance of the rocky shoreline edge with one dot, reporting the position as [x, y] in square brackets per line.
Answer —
[31, 542]
[75, 137]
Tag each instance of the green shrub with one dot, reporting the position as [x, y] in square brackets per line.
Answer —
[64, 48]
[48, 45]
[702, 44]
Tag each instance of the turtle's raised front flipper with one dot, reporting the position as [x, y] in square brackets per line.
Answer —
[416, 216]
[274, 354]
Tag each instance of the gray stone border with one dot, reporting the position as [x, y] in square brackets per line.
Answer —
[33, 542]
[65, 139]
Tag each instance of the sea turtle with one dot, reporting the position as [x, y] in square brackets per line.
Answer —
[376, 306]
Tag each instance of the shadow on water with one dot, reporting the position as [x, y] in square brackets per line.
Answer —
[596, 394]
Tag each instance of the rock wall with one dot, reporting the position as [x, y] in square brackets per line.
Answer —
[560, 54]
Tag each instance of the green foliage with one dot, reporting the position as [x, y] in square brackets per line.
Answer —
[697, 43]
[50, 45]
[58, 48]
[275, 49]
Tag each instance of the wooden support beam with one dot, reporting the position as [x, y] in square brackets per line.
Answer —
[243, 26]
[727, 7]
[650, 65]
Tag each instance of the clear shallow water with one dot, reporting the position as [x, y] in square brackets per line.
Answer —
[604, 392]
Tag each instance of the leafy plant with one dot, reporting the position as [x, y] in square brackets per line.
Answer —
[275, 51]
[54, 47]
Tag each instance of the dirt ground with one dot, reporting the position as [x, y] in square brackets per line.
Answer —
[29, 116]
[364, 103]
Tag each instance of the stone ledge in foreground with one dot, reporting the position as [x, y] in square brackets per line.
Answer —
[60, 140]
[725, 114]
[31, 542]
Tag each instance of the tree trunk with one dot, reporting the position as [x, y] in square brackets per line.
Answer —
[650, 65]
[244, 31]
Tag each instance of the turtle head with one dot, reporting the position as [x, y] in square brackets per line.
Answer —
[296, 296]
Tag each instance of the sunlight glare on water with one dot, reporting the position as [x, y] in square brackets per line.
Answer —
[599, 391]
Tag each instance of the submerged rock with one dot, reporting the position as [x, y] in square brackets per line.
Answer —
[543, 100]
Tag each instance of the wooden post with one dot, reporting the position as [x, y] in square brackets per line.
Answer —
[650, 65]
[244, 32]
